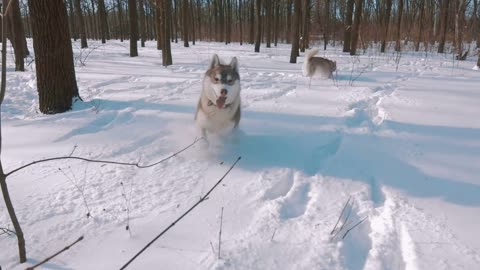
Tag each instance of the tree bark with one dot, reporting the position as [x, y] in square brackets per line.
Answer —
[56, 82]
[386, 22]
[73, 28]
[120, 19]
[16, 34]
[295, 32]
[399, 26]
[81, 24]
[421, 24]
[268, 23]
[356, 26]
[185, 22]
[132, 11]
[103, 20]
[347, 34]
[459, 24]
[252, 22]
[443, 24]
[166, 51]
[258, 38]
[143, 30]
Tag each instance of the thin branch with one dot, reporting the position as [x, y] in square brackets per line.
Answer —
[353, 227]
[341, 215]
[55, 255]
[103, 161]
[7, 231]
[182, 216]
[220, 234]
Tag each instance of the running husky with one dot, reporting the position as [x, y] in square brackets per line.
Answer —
[218, 109]
[315, 65]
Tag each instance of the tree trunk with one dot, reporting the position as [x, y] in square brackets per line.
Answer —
[277, 22]
[421, 24]
[73, 28]
[326, 25]
[443, 25]
[459, 24]
[305, 26]
[388, 11]
[120, 19]
[268, 23]
[295, 31]
[399, 26]
[167, 20]
[192, 21]
[94, 21]
[252, 22]
[347, 34]
[16, 34]
[143, 30]
[56, 83]
[132, 12]
[288, 28]
[81, 24]
[240, 20]
[356, 26]
[159, 24]
[258, 38]
[185, 22]
[103, 20]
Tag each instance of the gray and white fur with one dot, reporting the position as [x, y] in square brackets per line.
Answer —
[318, 66]
[218, 109]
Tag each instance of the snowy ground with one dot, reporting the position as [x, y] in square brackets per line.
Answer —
[399, 135]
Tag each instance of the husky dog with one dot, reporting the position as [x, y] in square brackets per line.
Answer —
[218, 109]
[315, 65]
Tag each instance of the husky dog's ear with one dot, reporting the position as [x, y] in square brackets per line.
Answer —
[215, 61]
[234, 64]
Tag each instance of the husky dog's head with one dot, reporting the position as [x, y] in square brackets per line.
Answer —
[222, 82]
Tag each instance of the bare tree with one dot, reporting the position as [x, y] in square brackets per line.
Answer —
[185, 22]
[81, 24]
[443, 24]
[386, 22]
[166, 16]
[143, 32]
[56, 83]
[252, 22]
[258, 36]
[132, 11]
[295, 31]
[104, 34]
[399, 26]
[73, 29]
[347, 33]
[268, 23]
[356, 26]
[16, 34]
[421, 22]
[120, 18]
[459, 23]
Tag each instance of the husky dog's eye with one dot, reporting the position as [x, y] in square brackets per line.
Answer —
[230, 81]
[217, 79]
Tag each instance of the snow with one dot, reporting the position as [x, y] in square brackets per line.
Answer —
[399, 135]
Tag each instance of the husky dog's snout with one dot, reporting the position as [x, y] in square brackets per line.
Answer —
[224, 92]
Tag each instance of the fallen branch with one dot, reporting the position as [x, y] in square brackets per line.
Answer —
[202, 199]
[55, 255]
[220, 234]
[353, 227]
[103, 161]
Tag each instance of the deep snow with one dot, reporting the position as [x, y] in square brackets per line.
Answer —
[399, 134]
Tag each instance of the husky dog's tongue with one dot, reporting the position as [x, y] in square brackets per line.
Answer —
[221, 101]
